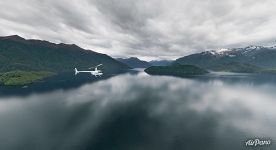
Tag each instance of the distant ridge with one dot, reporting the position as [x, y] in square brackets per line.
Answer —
[134, 62]
[161, 62]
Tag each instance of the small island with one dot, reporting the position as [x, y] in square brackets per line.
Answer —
[17, 78]
[176, 70]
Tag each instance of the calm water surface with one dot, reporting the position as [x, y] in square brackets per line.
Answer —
[141, 112]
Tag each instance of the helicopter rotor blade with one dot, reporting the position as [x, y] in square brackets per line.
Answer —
[99, 65]
[95, 66]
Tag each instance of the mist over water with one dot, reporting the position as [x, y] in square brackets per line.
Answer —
[141, 112]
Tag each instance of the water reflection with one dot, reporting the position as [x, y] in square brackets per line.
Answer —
[62, 81]
[140, 112]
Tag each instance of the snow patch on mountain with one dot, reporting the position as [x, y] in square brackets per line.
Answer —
[249, 50]
[252, 47]
[223, 50]
[232, 55]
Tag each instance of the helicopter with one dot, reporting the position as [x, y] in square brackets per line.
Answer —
[95, 72]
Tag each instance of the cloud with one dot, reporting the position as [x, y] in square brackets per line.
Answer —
[150, 29]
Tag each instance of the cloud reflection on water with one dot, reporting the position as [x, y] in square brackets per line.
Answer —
[140, 112]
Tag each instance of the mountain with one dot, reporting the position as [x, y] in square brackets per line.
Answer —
[176, 70]
[256, 55]
[160, 62]
[238, 68]
[17, 53]
[134, 62]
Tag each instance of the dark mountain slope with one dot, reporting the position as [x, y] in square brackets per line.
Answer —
[16, 53]
[256, 55]
[239, 68]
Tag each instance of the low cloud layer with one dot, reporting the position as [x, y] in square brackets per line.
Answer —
[149, 29]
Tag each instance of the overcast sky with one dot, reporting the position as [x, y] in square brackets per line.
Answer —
[148, 29]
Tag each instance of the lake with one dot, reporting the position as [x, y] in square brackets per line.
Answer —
[136, 111]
